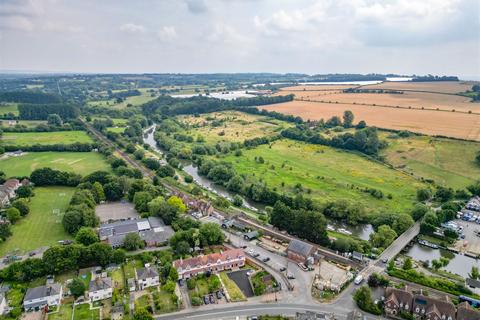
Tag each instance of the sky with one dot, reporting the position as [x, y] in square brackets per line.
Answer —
[208, 36]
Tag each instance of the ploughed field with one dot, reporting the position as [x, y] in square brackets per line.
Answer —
[448, 162]
[45, 138]
[43, 225]
[430, 86]
[82, 163]
[233, 126]
[328, 173]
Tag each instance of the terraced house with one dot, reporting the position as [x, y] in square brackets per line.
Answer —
[214, 262]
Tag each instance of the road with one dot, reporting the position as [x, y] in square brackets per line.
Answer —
[231, 312]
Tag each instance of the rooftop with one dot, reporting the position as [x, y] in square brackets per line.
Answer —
[100, 284]
[207, 259]
[145, 273]
[42, 291]
[300, 247]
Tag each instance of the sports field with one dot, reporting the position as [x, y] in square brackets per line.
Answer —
[234, 126]
[45, 138]
[43, 225]
[329, 173]
[82, 163]
[448, 162]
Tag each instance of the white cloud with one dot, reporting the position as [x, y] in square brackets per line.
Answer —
[167, 33]
[132, 28]
[16, 23]
[61, 27]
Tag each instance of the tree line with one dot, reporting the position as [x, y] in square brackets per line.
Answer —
[60, 147]
[42, 111]
[28, 96]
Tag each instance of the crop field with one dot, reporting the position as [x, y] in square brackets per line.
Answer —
[45, 138]
[116, 121]
[82, 163]
[447, 162]
[43, 225]
[434, 86]
[450, 124]
[9, 107]
[235, 126]
[329, 173]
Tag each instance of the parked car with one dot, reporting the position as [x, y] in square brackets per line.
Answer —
[290, 276]
[283, 269]
[212, 299]
[219, 295]
[205, 300]
[358, 279]
[256, 254]
[266, 259]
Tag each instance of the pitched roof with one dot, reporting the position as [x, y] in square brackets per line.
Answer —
[100, 284]
[145, 273]
[465, 312]
[209, 258]
[434, 305]
[42, 291]
[399, 296]
[300, 247]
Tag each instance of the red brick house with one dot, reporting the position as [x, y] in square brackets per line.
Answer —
[300, 251]
[214, 262]
[432, 309]
[396, 301]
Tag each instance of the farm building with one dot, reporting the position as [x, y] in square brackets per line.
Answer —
[300, 251]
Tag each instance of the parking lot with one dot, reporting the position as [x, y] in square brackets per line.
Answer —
[471, 243]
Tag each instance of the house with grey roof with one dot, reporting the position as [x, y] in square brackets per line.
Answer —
[300, 251]
[100, 289]
[249, 236]
[473, 284]
[147, 277]
[44, 296]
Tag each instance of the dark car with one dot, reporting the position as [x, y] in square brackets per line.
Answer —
[219, 295]
[266, 259]
[180, 282]
[205, 299]
[283, 269]
[244, 247]
[256, 255]
[212, 299]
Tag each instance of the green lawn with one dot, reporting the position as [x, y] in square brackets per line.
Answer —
[43, 225]
[82, 163]
[45, 138]
[116, 121]
[163, 302]
[233, 290]
[83, 312]
[116, 129]
[329, 173]
[64, 313]
[118, 279]
[8, 108]
[446, 161]
[143, 302]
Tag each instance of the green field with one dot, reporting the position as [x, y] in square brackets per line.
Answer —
[236, 126]
[329, 173]
[134, 100]
[82, 312]
[82, 163]
[116, 121]
[448, 162]
[45, 138]
[116, 129]
[27, 123]
[8, 107]
[43, 225]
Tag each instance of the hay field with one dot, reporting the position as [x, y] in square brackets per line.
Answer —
[237, 126]
[450, 124]
[45, 138]
[318, 87]
[329, 173]
[417, 100]
[434, 86]
[448, 162]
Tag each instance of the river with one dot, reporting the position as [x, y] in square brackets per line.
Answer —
[459, 264]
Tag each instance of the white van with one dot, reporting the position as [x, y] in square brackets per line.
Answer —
[358, 279]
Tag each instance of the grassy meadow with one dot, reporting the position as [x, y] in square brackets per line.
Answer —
[448, 162]
[329, 173]
[27, 123]
[235, 127]
[9, 107]
[43, 225]
[82, 163]
[133, 100]
[45, 138]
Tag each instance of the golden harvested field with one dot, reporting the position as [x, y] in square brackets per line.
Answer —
[318, 87]
[416, 100]
[435, 86]
[450, 124]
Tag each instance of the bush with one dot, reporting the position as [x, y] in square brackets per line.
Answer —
[196, 301]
